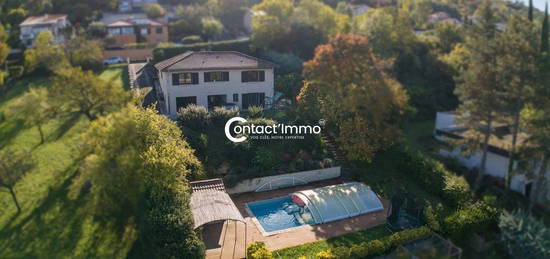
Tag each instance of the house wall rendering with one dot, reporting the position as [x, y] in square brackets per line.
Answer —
[32, 26]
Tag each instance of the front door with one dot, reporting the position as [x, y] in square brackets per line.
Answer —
[216, 101]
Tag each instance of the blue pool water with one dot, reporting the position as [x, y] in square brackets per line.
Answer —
[271, 214]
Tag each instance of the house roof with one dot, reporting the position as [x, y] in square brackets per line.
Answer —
[44, 19]
[209, 60]
[134, 22]
[210, 203]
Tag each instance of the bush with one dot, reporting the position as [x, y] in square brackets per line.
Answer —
[154, 11]
[478, 217]
[523, 236]
[191, 39]
[380, 246]
[242, 45]
[326, 255]
[433, 176]
[258, 250]
[255, 111]
[431, 219]
[288, 62]
[193, 117]
[376, 247]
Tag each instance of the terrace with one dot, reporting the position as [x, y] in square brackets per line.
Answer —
[228, 239]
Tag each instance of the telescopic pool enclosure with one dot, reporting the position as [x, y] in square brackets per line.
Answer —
[337, 202]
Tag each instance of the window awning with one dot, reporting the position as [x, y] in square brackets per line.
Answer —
[210, 203]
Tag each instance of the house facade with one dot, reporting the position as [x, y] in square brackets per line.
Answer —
[32, 26]
[215, 79]
[133, 5]
[136, 30]
[497, 163]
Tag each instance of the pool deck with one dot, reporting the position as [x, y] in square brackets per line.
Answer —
[233, 245]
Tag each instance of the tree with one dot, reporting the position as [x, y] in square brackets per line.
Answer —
[4, 48]
[544, 45]
[530, 12]
[211, 28]
[13, 166]
[517, 75]
[45, 55]
[322, 17]
[476, 87]
[16, 16]
[154, 11]
[85, 93]
[35, 109]
[271, 24]
[85, 53]
[135, 159]
[347, 84]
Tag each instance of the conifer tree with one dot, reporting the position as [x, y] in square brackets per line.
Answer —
[530, 15]
[544, 46]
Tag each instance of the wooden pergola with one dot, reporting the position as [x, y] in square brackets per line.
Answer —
[210, 203]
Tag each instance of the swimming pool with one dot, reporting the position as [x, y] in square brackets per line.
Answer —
[272, 214]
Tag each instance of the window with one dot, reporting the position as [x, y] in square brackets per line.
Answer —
[253, 76]
[253, 99]
[128, 30]
[159, 30]
[113, 31]
[235, 97]
[144, 31]
[216, 76]
[216, 101]
[185, 79]
[182, 102]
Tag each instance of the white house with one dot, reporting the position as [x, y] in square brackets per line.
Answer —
[446, 128]
[215, 79]
[32, 26]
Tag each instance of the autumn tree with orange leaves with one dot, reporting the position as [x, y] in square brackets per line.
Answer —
[346, 84]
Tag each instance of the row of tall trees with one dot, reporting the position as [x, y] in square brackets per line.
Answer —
[503, 80]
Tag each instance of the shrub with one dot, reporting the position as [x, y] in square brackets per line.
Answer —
[341, 252]
[325, 255]
[194, 117]
[154, 11]
[191, 39]
[376, 247]
[266, 159]
[431, 219]
[405, 236]
[478, 217]
[433, 176]
[219, 116]
[242, 45]
[288, 62]
[523, 236]
[258, 250]
[255, 111]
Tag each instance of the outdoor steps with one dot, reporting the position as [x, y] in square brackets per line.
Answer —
[233, 245]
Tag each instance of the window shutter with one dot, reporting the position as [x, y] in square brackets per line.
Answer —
[244, 76]
[195, 78]
[175, 79]
[262, 76]
[207, 77]
[225, 76]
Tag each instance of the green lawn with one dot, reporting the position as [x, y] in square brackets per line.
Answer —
[118, 74]
[311, 249]
[55, 221]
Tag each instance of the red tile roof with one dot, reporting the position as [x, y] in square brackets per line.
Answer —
[44, 19]
[134, 21]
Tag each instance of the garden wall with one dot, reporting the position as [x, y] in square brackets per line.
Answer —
[284, 180]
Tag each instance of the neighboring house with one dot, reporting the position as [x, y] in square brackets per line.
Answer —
[359, 9]
[133, 5]
[446, 129]
[32, 26]
[215, 79]
[137, 30]
[441, 17]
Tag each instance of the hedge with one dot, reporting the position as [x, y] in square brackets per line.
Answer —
[242, 45]
[435, 178]
[376, 247]
[478, 217]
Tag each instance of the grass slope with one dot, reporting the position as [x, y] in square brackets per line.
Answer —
[54, 222]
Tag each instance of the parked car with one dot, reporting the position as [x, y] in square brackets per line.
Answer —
[113, 60]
